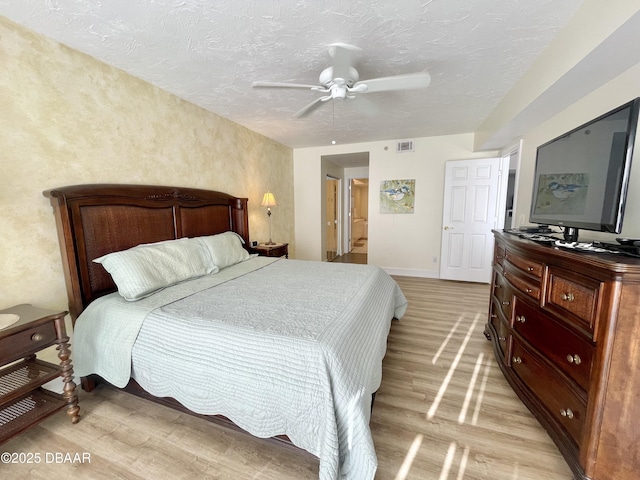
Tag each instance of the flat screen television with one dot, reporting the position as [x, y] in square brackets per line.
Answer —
[581, 177]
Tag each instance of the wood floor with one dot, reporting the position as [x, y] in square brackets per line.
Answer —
[360, 258]
[443, 412]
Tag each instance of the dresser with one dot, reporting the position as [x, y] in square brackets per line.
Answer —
[23, 402]
[565, 328]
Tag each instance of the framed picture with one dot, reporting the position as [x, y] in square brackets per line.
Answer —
[397, 196]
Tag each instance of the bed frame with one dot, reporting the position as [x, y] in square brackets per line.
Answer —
[93, 220]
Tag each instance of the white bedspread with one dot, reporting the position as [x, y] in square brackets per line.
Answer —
[291, 347]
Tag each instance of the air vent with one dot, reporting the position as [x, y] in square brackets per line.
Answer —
[404, 146]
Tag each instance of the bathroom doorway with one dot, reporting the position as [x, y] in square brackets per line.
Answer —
[345, 167]
[359, 215]
[333, 218]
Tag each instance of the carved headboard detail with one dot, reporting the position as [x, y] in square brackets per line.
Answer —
[93, 220]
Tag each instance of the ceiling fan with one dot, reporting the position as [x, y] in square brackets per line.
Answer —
[341, 80]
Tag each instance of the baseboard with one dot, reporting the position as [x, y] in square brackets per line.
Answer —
[412, 272]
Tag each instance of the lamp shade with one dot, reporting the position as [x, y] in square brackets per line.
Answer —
[269, 200]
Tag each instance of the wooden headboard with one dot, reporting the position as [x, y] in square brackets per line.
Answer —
[93, 220]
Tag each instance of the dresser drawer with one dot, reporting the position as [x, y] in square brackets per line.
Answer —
[556, 396]
[566, 349]
[499, 253]
[502, 329]
[526, 284]
[574, 294]
[525, 264]
[27, 342]
[503, 295]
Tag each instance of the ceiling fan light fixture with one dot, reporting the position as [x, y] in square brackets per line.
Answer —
[338, 91]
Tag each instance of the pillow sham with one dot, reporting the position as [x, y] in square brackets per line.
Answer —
[144, 269]
[225, 249]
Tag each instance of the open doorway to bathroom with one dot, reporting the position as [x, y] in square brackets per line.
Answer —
[359, 215]
[333, 217]
[346, 167]
[358, 225]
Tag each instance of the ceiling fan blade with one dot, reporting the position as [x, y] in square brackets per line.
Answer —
[396, 82]
[307, 109]
[366, 106]
[282, 85]
[343, 57]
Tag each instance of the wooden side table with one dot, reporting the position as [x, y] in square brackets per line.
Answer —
[277, 250]
[23, 401]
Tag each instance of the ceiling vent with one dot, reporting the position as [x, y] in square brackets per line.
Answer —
[404, 146]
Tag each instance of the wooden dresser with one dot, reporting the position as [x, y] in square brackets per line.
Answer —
[565, 328]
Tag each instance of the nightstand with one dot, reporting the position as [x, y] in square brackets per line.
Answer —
[23, 401]
[277, 250]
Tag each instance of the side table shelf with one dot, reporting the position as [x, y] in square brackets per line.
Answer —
[26, 411]
[23, 401]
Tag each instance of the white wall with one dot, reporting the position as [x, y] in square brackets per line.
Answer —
[620, 90]
[404, 244]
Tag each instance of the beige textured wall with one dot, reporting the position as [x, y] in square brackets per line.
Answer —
[66, 118]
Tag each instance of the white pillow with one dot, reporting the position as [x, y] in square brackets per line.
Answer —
[225, 249]
[142, 270]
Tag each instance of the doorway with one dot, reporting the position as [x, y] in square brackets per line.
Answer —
[332, 217]
[359, 214]
[336, 167]
[511, 161]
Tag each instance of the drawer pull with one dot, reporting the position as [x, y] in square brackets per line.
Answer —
[568, 413]
[528, 290]
[516, 360]
[575, 359]
[502, 339]
[493, 315]
[568, 297]
[520, 318]
[505, 302]
[37, 337]
[530, 269]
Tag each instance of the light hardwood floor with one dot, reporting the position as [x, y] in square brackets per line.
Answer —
[444, 412]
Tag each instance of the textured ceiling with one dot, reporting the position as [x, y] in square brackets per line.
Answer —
[210, 51]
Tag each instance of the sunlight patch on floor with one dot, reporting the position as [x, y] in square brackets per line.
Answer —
[408, 460]
[483, 387]
[449, 461]
[463, 464]
[516, 472]
[445, 342]
[470, 388]
[445, 383]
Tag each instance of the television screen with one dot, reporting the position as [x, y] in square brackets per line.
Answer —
[581, 177]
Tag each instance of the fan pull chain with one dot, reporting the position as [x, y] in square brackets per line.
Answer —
[333, 115]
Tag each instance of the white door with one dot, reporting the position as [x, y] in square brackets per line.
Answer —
[469, 214]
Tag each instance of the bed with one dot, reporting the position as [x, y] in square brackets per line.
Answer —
[283, 349]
